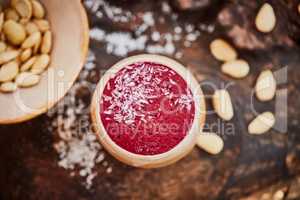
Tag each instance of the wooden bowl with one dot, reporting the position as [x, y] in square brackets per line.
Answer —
[159, 160]
[69, 25]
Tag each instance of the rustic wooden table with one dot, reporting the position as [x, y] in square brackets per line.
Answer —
[250, 167]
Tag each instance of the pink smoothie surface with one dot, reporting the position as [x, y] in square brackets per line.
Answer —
[147, 108]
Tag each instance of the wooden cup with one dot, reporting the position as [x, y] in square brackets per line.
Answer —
[150, 161]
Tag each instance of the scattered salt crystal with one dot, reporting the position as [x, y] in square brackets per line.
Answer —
[165, 7]
[178, 29]
[178, 55]
[109, 170]
[189, 28]
[191, 37]
[97, 34]
[155, 36]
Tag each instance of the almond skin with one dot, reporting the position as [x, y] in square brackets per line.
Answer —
[265, 88]
[222, 51]
[222, 104]
[210, 142]
[262, 123]
[265, 19]
[236, 68]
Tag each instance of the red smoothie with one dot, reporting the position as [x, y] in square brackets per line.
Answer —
[147, 108]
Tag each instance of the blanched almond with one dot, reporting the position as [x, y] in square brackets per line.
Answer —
[8, 87]
[236, 68]
[210, 142]
[265, 20]
[14, 32]
[32, 40]
[23, 21]
[265, 87]
[222, 51]
[42, 24]
[13, 3]
[2, 37]
[31, 27]
[222, 104]
[38, 9]
[1, 21]
[11, 14]
[8, 56]
[262, 123]
[27, 79]
[36, 47]
[46, 42]
[9, 71]
[28, 64]
[24, 8]
[25, 55]
[2, 47]
[40, 64]
[299, 8]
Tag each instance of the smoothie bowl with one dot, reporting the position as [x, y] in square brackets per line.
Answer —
[147, 111]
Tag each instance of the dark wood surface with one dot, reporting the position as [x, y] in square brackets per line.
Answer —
[249, 166]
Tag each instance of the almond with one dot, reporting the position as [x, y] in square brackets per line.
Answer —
[46, 42]
[265, 20]
[32, 40]
[299, 8]
[11, 14]
[222, 51]
[9, 71]
[8, 56]
[40, 64]
[31, 27]
[8, 87]
[42, 24]
[210, 142]
[27, 79]
[262, 123]
[13, 3]
[25, 55]
[24, 8]
[37, 46]
[265, 87]
[2, 47]
[28, 64]
[14, 32]
[38, 9]
[1, 21]
[222, 104]
[236, 68]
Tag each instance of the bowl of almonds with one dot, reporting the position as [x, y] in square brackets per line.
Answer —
[43, 45]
